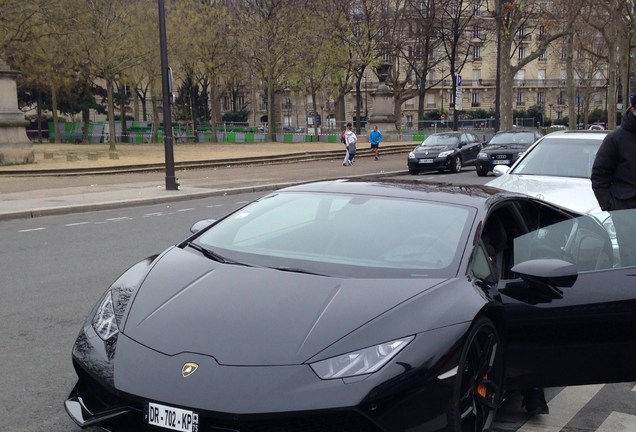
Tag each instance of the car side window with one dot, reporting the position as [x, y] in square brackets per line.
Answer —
[500, 230]
[481, 268]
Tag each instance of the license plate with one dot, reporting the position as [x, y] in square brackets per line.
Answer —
[171, 418]
[501, 162]
[426, 160]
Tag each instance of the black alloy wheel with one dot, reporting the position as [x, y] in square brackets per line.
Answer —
[457, 164]
[478, 384]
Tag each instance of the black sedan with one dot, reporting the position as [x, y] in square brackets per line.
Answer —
[504, 148]
[444, 151]
[349, 306]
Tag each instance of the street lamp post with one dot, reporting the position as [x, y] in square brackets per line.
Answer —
[166, 87]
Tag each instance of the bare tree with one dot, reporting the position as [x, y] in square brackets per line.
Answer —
[105, 30]
[270, 36]
[606, 18]
[362, 26]
[423, 35]
[455, 21]
[517, 19]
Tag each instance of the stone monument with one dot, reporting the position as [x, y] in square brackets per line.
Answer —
[383, 115]
[15, 146]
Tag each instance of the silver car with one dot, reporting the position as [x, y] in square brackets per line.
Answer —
[557, 169]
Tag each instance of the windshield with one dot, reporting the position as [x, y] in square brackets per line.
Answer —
[441, 140]
[560, 157]
[523, 138]
[345, 235]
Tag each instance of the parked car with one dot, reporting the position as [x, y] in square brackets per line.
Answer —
[557, 169]
[504, 148]
[292, 129]
[348, 305]
[444, 151]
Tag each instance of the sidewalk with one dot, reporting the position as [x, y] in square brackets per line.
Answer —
[52, 185]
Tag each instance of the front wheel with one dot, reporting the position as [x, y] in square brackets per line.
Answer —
[478, 384]
[413, 171]
[457, 164]
[482, 172]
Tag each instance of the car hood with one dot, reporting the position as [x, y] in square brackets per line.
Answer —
[505, 147]
[572, 193]
[255, 316]
[433, 148]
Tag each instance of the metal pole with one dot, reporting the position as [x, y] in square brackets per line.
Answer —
[171, 182]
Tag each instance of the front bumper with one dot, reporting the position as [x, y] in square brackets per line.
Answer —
[246, 399]
[490, 164]
[429, 164]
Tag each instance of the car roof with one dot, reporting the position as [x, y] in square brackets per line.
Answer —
[478, 196]
[579, 134]
[517, 130]
[447, 133]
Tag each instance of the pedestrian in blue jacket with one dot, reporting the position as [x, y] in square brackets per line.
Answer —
[375, 137]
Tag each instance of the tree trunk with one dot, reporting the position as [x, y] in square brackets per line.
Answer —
[505, 95]
[155, 114]
[573, 97]
[86, 121]
[56, 126]
[111, 115]
[214, 102]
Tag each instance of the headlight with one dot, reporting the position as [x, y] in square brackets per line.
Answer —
[445, 153]
[104, 321]
[482, 155]
[411, 155]
[364, 361]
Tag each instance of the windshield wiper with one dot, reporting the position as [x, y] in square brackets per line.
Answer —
[297, 270]
[215, 256]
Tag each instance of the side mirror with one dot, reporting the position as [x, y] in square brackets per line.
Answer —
[549, 271]
[542, 280]
[201, 225]
[500, 170]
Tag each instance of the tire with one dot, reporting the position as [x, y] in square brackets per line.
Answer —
[479, 383]
[482, 172]
[457, 164]
[413, 171]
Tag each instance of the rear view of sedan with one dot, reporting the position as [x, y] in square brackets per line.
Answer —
[444, 151]
[504, 148]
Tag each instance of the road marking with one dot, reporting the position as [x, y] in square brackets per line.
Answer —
[563, 408]
[618, 422]
[186, 209]
[32, 229]
[153, 214]
[215, 205]
[76, 224]
[119, 219]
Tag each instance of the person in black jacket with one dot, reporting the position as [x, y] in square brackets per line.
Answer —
[614, 182]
